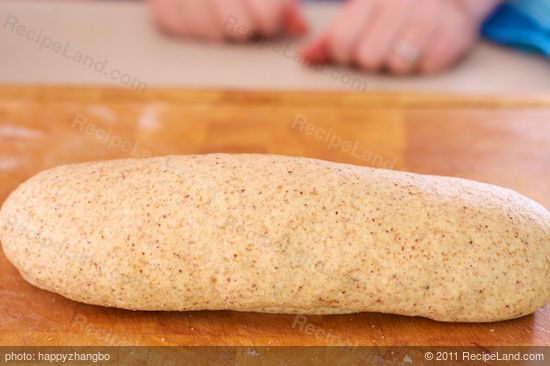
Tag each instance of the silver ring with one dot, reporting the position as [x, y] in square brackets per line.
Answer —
[406, 51]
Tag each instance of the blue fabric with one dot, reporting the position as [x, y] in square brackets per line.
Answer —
[524, 24]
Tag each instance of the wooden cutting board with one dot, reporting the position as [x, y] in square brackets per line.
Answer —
[504, 141]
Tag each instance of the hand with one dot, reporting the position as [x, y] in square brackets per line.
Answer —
[402, 36]
[228, 19]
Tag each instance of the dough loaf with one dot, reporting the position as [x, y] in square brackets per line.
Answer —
[278, 234]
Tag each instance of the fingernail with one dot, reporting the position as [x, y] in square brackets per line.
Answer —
[294, 23]
[316, 52]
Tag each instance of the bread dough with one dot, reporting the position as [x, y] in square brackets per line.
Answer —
[278, 234]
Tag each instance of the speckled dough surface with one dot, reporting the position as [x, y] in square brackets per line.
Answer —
[278, 234]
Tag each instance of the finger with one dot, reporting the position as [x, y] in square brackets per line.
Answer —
[378, 36]
[344, 32]
[294, 22]
[316, 52]
[200, 19]
[267, 15]
[417, 33]
[454, 37]
[154, 8]
[479, 10]
[446, 49]
[237, 23]
[168, 16]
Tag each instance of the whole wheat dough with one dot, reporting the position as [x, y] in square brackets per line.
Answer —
[278, 234]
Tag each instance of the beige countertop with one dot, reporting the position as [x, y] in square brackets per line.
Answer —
[126, 49]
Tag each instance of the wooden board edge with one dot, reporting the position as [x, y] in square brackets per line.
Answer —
[402, 99]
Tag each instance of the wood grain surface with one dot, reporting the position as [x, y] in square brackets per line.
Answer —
[499, 141]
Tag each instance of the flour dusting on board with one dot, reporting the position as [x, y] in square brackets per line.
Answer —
[149, 118]
[9, 164]
[252, 352]
[106, 114]
[10, 131]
